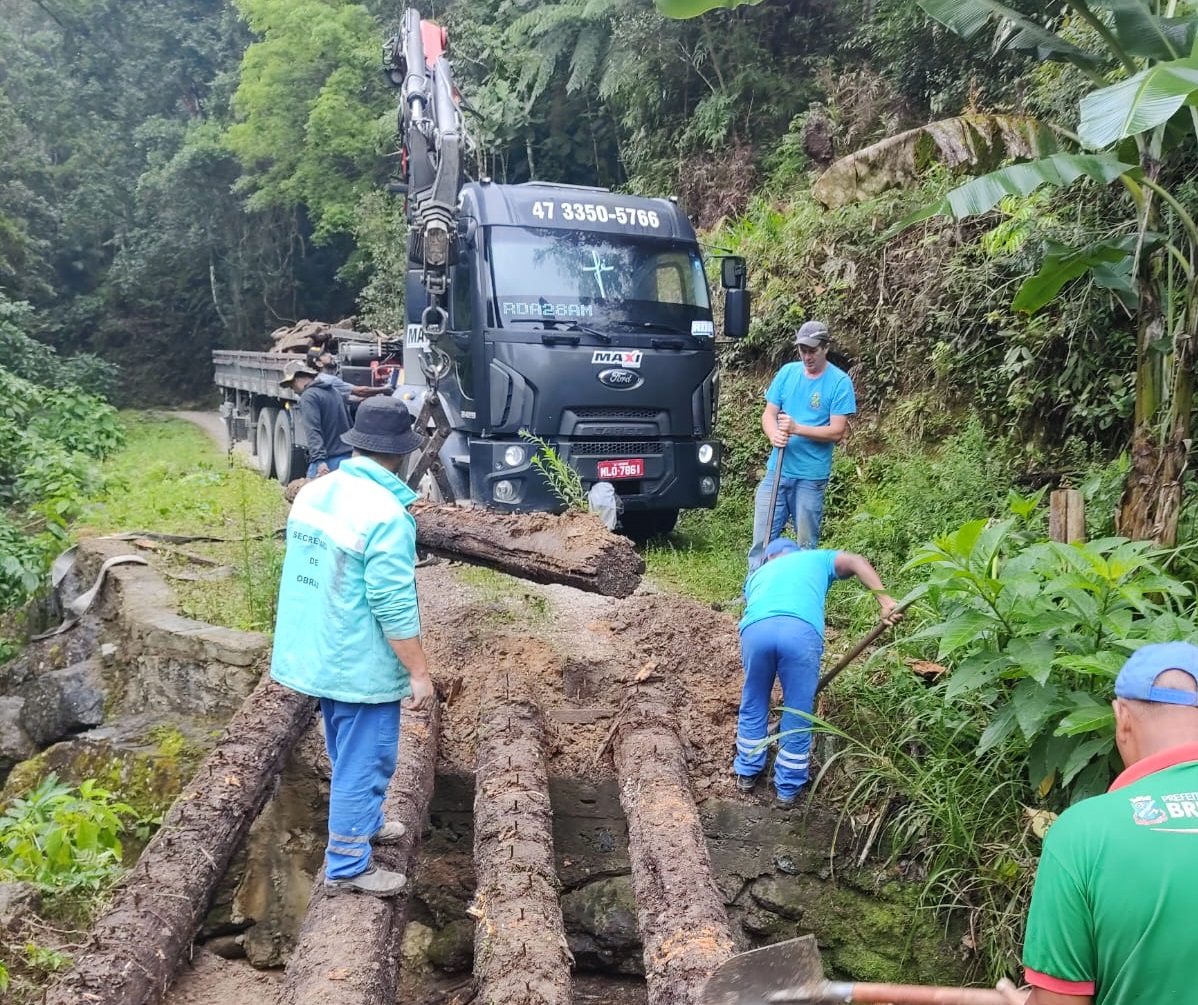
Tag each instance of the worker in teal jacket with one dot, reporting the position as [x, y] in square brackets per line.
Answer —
[782, 638]
[348, 632]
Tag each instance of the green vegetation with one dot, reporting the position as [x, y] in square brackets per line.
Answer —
[53, 433]
[170, 478]
[563, 480]
[63, 839]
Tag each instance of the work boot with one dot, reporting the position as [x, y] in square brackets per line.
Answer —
[746, 783]
[375, 882]
[389, 833]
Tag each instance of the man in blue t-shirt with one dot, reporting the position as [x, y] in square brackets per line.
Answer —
[782, 637]
[806, 411]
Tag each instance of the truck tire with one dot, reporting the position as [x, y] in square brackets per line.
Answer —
[290, 461]
[264, 442]
[643, 525]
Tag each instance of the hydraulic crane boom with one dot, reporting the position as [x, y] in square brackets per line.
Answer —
[434, 144]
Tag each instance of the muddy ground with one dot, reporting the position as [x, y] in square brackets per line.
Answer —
[581, 655]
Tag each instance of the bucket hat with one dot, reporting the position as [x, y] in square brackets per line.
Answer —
[383, 426]
[296, 368]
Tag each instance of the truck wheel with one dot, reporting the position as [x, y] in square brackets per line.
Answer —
[264, 442]
[643, 525]
[290, 461]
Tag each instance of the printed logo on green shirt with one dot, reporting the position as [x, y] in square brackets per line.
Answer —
[1146, 812]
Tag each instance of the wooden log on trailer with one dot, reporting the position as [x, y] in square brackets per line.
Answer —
[520, 951]
[135, 947]
[680, 912]
[347, 950]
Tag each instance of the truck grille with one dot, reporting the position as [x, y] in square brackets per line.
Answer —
[616, 448]
[617, 414]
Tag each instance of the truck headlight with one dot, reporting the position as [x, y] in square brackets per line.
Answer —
[706, 453]
[707, 485]
[513, 456]
[505, 491]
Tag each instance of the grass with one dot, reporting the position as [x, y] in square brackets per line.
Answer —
[171, 478]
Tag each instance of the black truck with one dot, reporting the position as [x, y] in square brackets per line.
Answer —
[577, 317]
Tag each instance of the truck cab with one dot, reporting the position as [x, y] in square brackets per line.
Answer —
[582, 317]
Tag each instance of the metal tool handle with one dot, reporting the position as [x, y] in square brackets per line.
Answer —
[896, 994]
[769, 523]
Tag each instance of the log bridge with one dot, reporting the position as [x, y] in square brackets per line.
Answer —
[521, 955]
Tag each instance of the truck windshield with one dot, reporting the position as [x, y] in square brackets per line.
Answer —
[564, 277]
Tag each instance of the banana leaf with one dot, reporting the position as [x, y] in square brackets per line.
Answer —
[680, 9]
[1139, 103]
[1109, 262]
[968, 17]
[1141, 32]
[980, 195]
[981, 141]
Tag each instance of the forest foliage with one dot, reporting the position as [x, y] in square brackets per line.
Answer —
[190, 175]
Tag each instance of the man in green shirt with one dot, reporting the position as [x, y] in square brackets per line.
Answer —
[1112, 913]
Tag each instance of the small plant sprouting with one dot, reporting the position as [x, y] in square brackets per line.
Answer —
[564, 482]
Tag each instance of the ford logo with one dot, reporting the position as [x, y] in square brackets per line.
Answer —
[624, 380]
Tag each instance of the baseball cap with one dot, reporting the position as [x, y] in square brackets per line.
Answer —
[1138, 677]
[779, 546]
[812, 334]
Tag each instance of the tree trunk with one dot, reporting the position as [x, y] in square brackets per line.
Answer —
[574, 548]
[683, 923]
[347, 951]
[520, 952]
[135, 947]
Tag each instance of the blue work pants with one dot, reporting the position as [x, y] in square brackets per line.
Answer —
[363, 745]
[333, 462]
[800, 500]
[788, 649]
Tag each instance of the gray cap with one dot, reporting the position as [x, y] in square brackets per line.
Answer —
[812, 334]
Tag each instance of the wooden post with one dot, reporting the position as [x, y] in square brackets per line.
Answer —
[1066, 516]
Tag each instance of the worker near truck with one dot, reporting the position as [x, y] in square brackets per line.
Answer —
[1111, 916]
[325, 416]
[324, 362]
[348, 632]
[782, 638]
[807, 407]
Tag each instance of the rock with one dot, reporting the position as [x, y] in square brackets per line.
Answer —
[414, 951]
[60, 703]
[452, 947]
[17, 902]
[227, 947]
[601, 925]
[15, 744]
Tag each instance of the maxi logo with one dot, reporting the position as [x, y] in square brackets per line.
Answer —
[617, 357]
[623, 380]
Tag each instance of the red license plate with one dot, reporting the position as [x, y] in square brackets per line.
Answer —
[632, 467]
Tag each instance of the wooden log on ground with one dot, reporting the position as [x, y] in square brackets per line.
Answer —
[683, 922]
[520, 952]
[575, 548]
[347, 950]
[135, 947]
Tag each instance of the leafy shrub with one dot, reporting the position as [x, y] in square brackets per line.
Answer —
[1036, 632]
[38, 363]
[967, 772]
[63, 839]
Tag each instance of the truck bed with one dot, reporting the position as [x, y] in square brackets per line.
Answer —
[256, 372]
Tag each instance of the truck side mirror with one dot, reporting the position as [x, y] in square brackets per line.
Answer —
[732, 272]
[736, 313]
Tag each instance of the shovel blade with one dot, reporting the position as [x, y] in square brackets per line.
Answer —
[747, 978]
